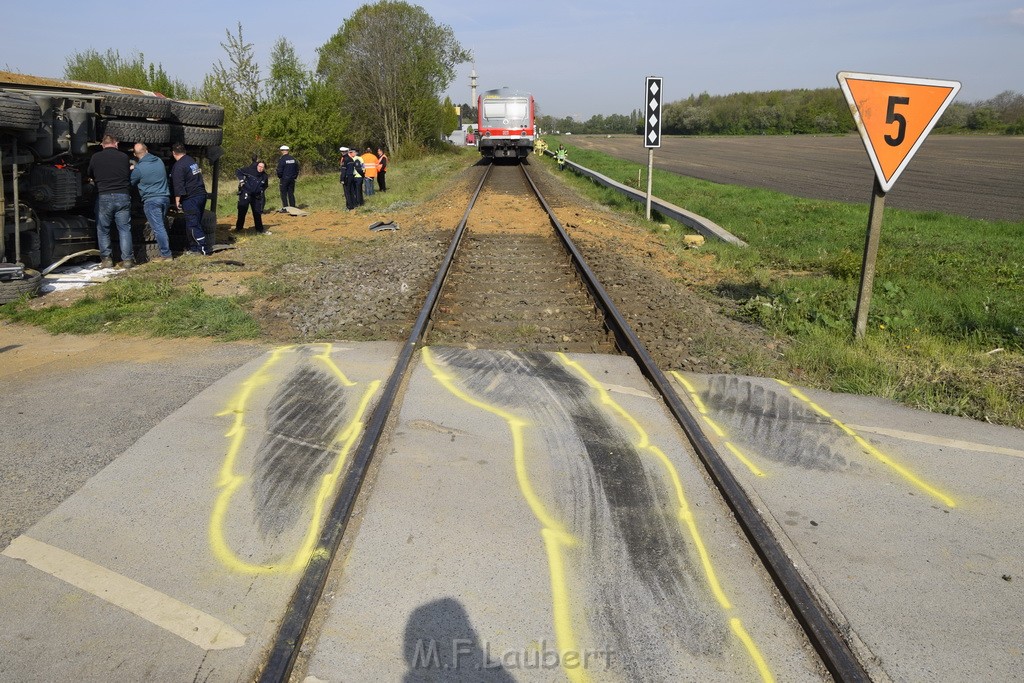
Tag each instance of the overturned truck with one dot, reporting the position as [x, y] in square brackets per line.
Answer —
[49, 130]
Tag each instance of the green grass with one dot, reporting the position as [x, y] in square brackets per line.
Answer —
[948, 290]
[140, 304]
[166, 300]
[409, 182]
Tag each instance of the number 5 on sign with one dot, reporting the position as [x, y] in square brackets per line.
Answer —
[894, 115]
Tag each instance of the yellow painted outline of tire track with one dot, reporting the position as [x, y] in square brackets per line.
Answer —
[229, 481]
[755, 470]
[904, 472]
[684, 514]
[871, 450]
[554, 535]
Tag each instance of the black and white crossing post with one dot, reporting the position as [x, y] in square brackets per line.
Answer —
[652, 128]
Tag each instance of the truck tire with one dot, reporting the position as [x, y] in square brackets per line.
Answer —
[15, 289]
[136, 131]
[181, 240]
[209, 224]
[195, 114]
[195, 136]
[18, 112]
[135, 106]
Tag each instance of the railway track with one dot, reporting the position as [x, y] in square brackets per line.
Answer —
[513, 285]
[524, 286]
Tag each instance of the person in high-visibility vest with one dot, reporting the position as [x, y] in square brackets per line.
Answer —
[369, 170]
[560, 155]
[382, 169]
[352, 178]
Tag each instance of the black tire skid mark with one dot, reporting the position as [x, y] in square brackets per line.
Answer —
[303, 420]
[775, 425]
[645, 596]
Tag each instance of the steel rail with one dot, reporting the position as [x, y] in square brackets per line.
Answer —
[299, 612]
[822, 632]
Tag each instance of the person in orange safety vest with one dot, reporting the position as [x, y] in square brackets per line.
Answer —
[370, 172]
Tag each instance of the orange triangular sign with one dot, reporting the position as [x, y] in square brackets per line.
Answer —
[894, 115]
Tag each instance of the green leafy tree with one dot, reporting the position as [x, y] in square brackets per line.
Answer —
[289, 79]
[392, 62]
[237, 87]
[131, 72]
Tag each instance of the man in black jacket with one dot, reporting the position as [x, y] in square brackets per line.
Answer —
[190, 196]
[111, 170]
[287, 172]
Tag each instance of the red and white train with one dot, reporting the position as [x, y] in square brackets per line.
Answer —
[505, 123]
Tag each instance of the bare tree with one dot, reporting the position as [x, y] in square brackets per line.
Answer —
[237, 86]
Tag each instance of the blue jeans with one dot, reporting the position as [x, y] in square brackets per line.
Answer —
[155, 209]
[367, 186]
[114, 208]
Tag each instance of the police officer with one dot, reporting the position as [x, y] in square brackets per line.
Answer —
[252, 181]
[189, 196]
[351, 177]
[287, 172]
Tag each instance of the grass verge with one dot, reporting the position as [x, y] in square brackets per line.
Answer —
[946, 323]
[139, 304]
[167, 300]
[409, 182]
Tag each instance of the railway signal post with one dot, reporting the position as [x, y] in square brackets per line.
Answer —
[652, 128]
[894, 115]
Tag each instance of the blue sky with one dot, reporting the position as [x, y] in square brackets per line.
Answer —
[578, 58]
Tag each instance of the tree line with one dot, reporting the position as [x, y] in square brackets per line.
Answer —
[789, 112]
[378, 81]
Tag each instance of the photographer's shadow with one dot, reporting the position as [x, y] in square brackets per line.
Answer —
[442, 645]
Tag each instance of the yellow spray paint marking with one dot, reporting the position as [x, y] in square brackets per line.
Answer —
[755, 654]
[871, 450]
[230, 481]
[555, 537]
[684, 514]
[754, 469]
[325, 356]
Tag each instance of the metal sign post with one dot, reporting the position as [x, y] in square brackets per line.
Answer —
[652, 129]
[894, 115]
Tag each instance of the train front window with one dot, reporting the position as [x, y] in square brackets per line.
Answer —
[513, 112]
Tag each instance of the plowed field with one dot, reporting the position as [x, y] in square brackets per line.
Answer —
[975, 176]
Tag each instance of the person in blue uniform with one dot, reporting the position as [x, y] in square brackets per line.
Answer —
[190, 196]
[252, 182]
[287, 172]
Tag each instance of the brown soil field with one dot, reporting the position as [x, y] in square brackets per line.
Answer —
[974, 176]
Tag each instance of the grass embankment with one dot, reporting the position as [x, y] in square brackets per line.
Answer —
[169, 300]
[408, 183]
[946, 324]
